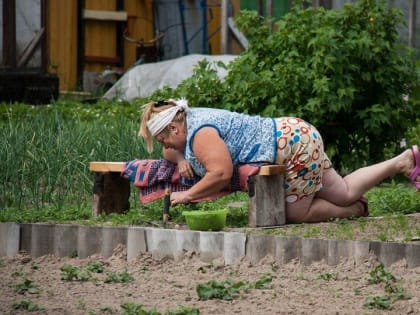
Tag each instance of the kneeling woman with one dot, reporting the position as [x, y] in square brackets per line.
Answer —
[209, 142]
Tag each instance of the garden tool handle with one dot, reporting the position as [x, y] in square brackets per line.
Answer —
[166, 205]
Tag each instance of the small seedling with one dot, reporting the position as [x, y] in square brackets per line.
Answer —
[397, 293]
[18, 274]
[213, 289]
[137, 309]
[394, 293]
[27, 305]
[35, 267]
[260, 283]
[81, 305]
[327, 276]
[118, 277]
[183, 310]
[380, 302]
[143, 269]
[107, 310]
[27, 286]
[227, 289]
[378, 274]
[70, 273]
[134, 309]
[95, 266]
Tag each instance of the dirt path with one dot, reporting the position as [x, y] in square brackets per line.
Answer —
[168, 285]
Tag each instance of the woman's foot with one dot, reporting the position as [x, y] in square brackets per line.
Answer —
[415, 172]
[364, 202]
[408, 163]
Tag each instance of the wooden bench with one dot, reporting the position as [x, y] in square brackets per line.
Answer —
[111, 193]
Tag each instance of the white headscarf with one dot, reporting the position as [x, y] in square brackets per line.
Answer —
[159, 121]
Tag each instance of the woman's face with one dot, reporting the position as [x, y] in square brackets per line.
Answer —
[173, 137]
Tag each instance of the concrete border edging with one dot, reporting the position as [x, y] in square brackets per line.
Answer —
[62, 240]
[9, 239]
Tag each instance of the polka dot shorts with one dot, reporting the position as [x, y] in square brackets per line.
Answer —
[301, 150]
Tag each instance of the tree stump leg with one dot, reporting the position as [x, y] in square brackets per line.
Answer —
[111, 193]
[266, 201]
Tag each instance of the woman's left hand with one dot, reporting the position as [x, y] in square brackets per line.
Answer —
[180, 197]
[185, 169]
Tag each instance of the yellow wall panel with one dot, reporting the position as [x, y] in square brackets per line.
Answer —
[139, 27]
[213, 28]
[62, 41]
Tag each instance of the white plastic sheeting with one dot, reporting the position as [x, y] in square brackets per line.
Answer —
[143, 80]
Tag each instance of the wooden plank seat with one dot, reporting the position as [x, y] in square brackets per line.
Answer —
[111, 193]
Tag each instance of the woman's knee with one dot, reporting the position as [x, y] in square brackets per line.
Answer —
[296, 212]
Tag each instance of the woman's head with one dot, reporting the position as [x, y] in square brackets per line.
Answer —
[161, 119]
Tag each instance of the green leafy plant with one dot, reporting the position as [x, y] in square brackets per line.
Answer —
[18, 274]
[27, 286]
[183, 310]
[137, 309]
[118, 277]
[261, 282]
[95, 266]
[134, 309]
[107, 310]
[381, 302]
[224, 290]
[393, 292]
[26, 305]
[327, 276]
[34, 266]
[71, 273]
[378, 274]
[398, 293]
[227, 289]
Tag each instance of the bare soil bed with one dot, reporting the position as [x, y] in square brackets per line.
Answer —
[167, 286]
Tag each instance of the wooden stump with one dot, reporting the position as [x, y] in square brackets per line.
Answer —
[111, 192]
[266, 200]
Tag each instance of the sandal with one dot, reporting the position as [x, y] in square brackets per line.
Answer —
[364, 202]
[416, 171]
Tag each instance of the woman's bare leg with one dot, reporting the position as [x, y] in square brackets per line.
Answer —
[339, 196]
[347, 190]
[318, 210]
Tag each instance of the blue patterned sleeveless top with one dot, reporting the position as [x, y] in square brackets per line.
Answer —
[248, 138]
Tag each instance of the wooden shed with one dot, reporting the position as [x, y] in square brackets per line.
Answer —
[86, 37]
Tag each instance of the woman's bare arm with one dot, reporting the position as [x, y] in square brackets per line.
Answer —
[172, 155]
[213, 153]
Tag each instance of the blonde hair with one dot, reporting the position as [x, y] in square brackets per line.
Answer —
[149, 110]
